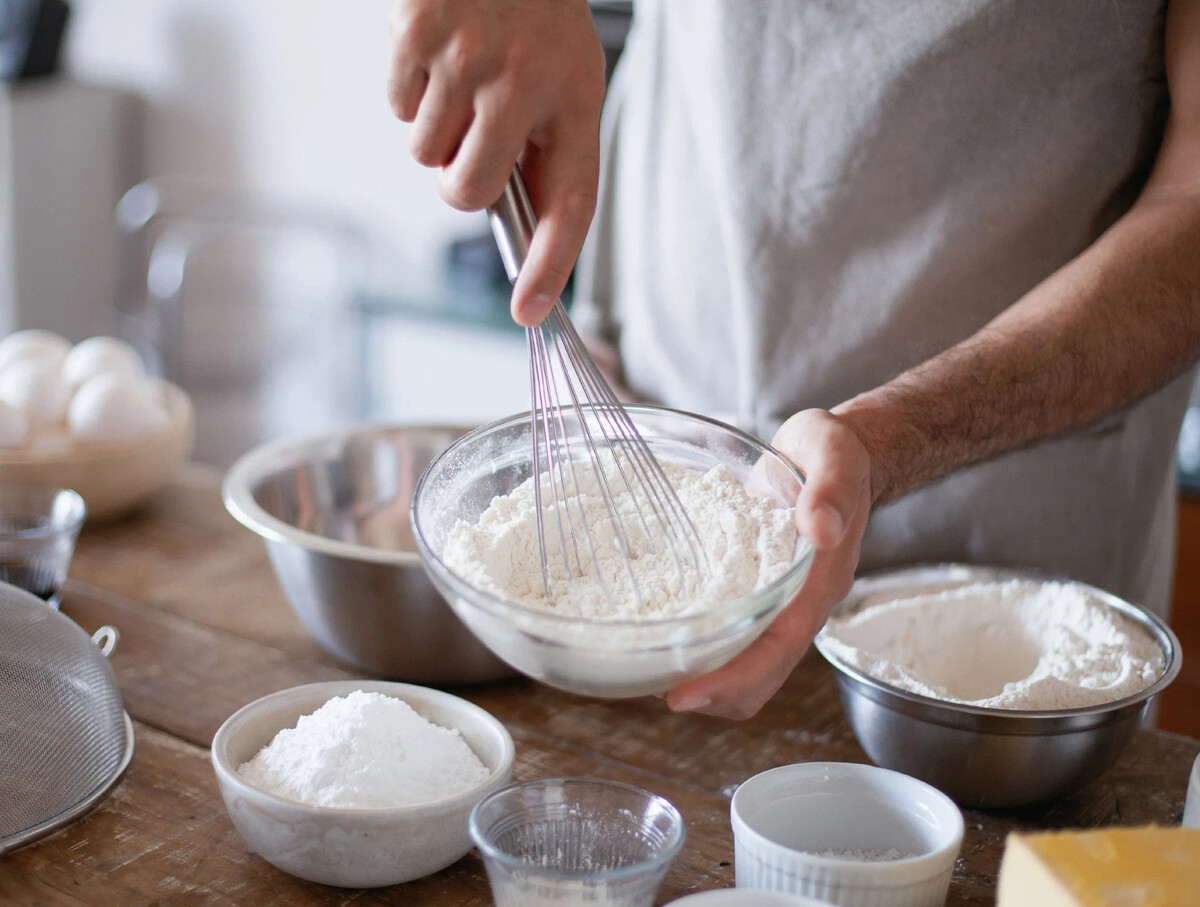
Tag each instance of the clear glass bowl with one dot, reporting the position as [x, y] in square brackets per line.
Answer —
[38, 529]
[575, 841]
[610, 658]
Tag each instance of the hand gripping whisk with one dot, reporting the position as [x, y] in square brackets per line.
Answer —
[585, 443]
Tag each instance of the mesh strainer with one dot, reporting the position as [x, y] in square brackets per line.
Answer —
[64, 736]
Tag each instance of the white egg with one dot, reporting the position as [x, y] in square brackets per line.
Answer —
[115, 408]
[101, 356]
[32, 344]
[14, 426]
[36, 387]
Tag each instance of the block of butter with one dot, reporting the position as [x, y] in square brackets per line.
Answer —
[1106, 867]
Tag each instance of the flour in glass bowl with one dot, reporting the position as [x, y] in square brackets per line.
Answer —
[363, 751]
[1018, 644]
[750, 542]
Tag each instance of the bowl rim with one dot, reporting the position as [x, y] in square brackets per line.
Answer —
[747, 606]
[179, 419]
[669, 852]
[237, 490]
[747, 896]
[932, 709]
[227, 775]
[70, 527]
[917, 867]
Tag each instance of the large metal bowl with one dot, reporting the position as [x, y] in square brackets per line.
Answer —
[989, 758]
[334, 512]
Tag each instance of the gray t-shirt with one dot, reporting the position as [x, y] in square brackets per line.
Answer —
[802, 199]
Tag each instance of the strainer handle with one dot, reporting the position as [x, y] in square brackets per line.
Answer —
[106, 638]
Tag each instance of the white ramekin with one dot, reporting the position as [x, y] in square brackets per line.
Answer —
[785, 816]
[744, 897]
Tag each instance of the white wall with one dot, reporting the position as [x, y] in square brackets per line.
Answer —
[285, 97]
[64, 156]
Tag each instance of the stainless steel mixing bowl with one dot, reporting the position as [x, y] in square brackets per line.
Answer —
[989, 758]
[334, 512]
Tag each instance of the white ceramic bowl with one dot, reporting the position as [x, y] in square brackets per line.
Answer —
[355, 848]
[783, 818]
[114, 477]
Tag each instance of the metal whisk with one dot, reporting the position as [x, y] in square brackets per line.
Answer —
[584, 438]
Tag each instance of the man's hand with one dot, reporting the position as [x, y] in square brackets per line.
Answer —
[488, 82]
[831, 513]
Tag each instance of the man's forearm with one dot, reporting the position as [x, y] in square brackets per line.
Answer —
[1114, 324]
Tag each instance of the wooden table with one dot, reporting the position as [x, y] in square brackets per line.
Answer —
[205, 629]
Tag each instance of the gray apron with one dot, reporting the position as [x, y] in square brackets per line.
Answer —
[800, 200]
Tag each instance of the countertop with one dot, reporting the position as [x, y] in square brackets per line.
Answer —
[205, 629]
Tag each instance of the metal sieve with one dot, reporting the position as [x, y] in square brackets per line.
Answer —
[65, 738]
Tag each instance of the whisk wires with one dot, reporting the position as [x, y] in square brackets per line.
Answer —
[580, 431]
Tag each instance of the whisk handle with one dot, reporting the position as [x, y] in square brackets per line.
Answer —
[513, 223]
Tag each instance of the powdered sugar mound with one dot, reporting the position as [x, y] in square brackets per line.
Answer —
[750, 542]
[365, 750]
[1013, 645]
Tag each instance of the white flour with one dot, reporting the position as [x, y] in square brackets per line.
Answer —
[1012, 645]
[862, 855]
[749, 540]
[365, 750]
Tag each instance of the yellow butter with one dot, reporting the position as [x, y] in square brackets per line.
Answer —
[1109, 867]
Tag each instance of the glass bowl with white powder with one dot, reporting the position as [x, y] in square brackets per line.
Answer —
[359, 784]
[575, 841]
[474, 521]
[1002, 687]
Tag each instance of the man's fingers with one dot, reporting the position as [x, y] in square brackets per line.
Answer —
[832, 512]
[444, 116]
[407, 76]
[486, 82]
[565, 203]
[406, 84]
[740, 688]
[485, 159]
[837, 471]
[414, 35]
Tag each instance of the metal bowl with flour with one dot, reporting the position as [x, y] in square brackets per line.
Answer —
[988, 757]
[333, 510]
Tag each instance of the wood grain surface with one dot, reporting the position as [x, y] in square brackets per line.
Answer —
[205, 629]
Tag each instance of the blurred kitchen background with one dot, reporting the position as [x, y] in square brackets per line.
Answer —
[223, 184]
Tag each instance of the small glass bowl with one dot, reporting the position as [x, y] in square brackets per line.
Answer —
[38, 529]
[576, 841]
[610, 658]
